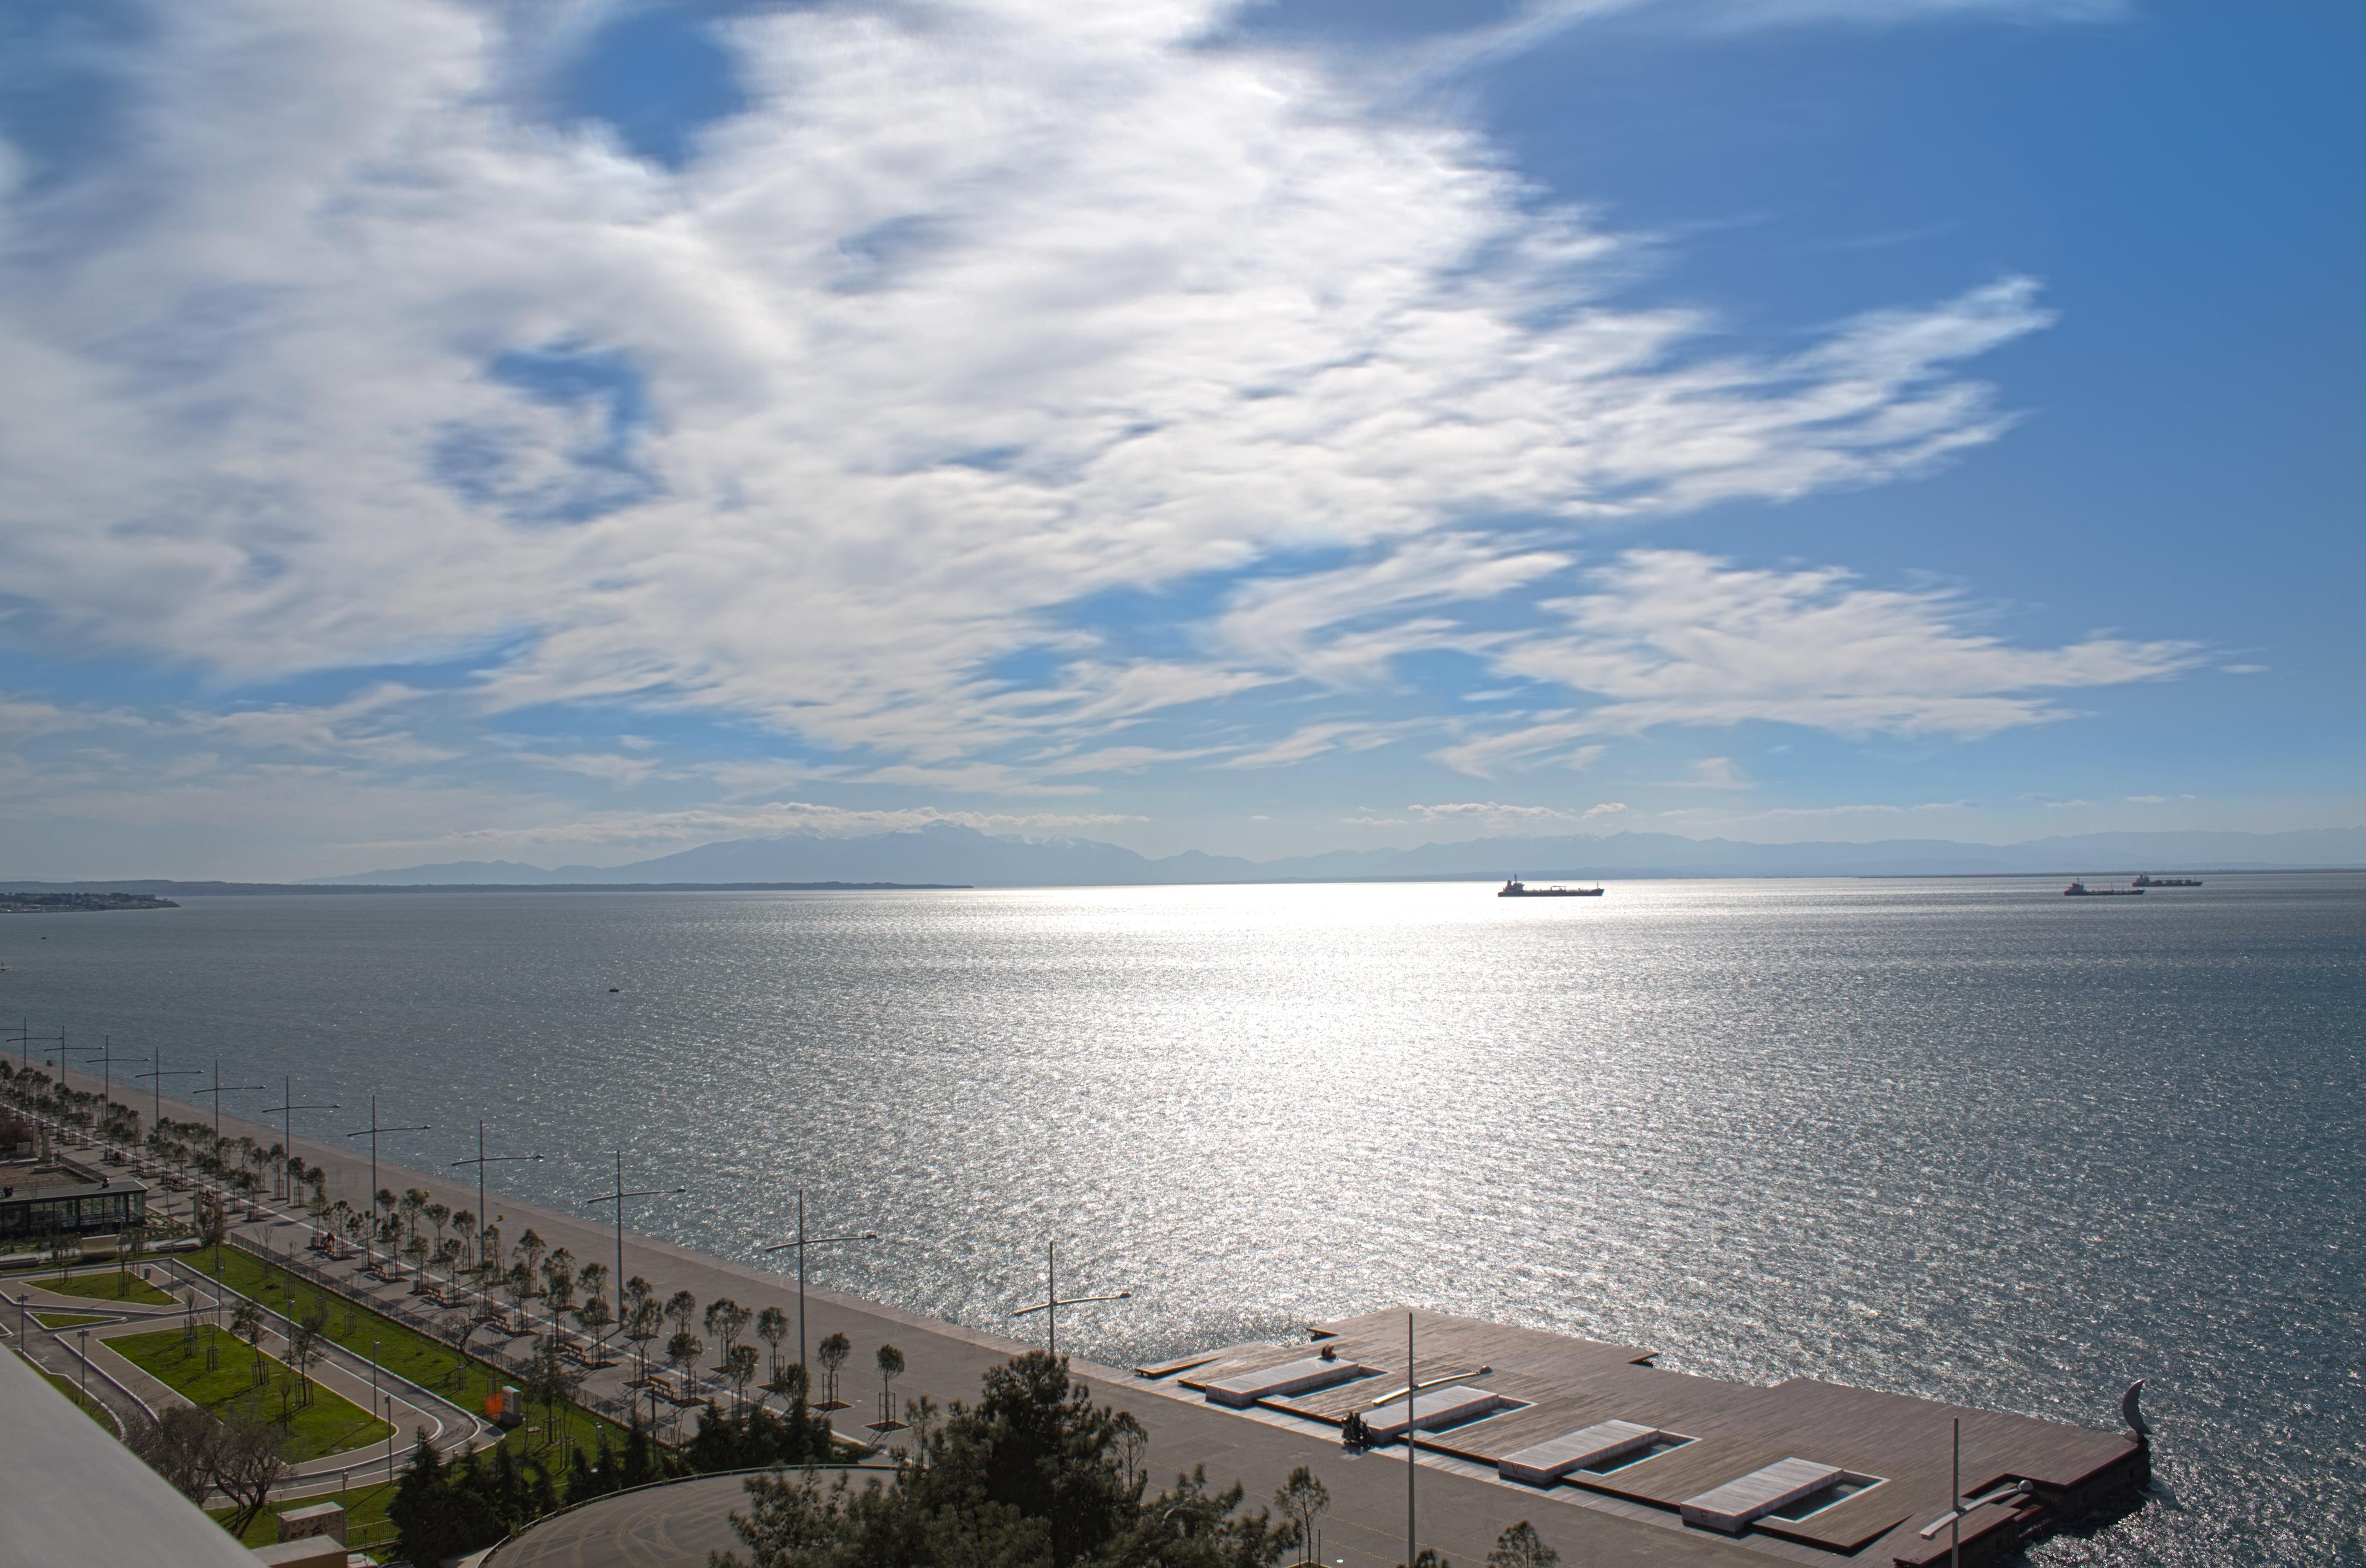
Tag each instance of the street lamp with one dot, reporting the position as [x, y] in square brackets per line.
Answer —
[1053, 1301]
[25, 1038]
[107, 1059]
[218, 1090]
[369, 1234]
[156, 1106]
[287, 1110]
[482, 1160]
[801, 1243]
[85, 1335]
[617, 1198]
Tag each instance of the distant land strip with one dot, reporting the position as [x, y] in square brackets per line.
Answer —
[225, 890]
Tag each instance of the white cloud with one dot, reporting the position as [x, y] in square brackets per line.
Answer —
[1314, 740]
[1675, 637]
[977, 312]
[1718, 772]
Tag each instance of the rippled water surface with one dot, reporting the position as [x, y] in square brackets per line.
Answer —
[1967, 1140]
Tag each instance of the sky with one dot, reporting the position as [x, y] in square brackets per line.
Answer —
[569, 431]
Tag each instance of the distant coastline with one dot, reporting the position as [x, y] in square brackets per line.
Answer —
[78, 902]
[145, 892]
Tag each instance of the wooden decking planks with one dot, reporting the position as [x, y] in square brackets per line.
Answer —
[1566, 1383]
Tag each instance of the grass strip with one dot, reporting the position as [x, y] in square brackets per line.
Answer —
[326, 1424]
[108, 1286]
[427, 1361]
[70, 1319]
[365, 1515]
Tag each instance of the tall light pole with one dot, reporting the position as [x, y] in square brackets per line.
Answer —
[1053, 1301]
[218, 1090]
[107, 1059]
[370, 1233]
[286, 1109]
[482, 1160]
[617, 1198]
[156, 1105]
[801, 1243]
[1413, 1449]
[25, 1038]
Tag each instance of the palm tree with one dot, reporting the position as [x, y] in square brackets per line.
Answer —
[832, 1354]
[891, 1366]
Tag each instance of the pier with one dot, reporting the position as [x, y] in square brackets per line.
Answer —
[1847, 1473]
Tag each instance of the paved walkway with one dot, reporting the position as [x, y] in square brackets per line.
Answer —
[1460, 1513]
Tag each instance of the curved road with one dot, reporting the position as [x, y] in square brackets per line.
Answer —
[671, 1526]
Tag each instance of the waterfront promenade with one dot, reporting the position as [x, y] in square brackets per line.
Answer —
[1461, 1508]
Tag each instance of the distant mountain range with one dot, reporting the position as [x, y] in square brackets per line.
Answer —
[945, 853]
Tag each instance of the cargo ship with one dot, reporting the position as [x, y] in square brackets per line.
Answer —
[2151, 882]
[1514, 888]
[2079, 890]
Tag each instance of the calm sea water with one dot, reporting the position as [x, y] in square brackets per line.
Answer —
[1967, 1140]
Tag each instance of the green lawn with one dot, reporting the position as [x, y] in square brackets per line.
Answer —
[69, 1319]
[428, 1362]
[108, 1286]
[327, 1425]
[364, 1517]
[73, 1391]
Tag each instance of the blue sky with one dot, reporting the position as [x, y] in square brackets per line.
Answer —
[570, 431]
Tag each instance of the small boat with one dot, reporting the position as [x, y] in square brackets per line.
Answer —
[2147, 880]
[1514, 888]
[2079, 890]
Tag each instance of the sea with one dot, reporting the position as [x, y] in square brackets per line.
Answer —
[1960, 1138]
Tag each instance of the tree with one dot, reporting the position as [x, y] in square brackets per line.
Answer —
[552, 1378]
[464, 1228]
[788, 1381]
[558, 1283]
[247, 1466]
[529, 1250]
[891, 1366]
[680, 1308]
[1302, 1499]
[727, 1320]
[739, 1366]
[306, 1345]
[179, 1444]
[595, 1319]
[773, 1327]
[518, 1285]
[682, 1351]
[832, 1354]
[246, 1323]
[640, 1328]
[1028, 1476]
[1521, 1547]
[1354, 1433]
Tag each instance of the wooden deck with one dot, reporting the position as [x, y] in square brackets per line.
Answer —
[1566, 1383]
